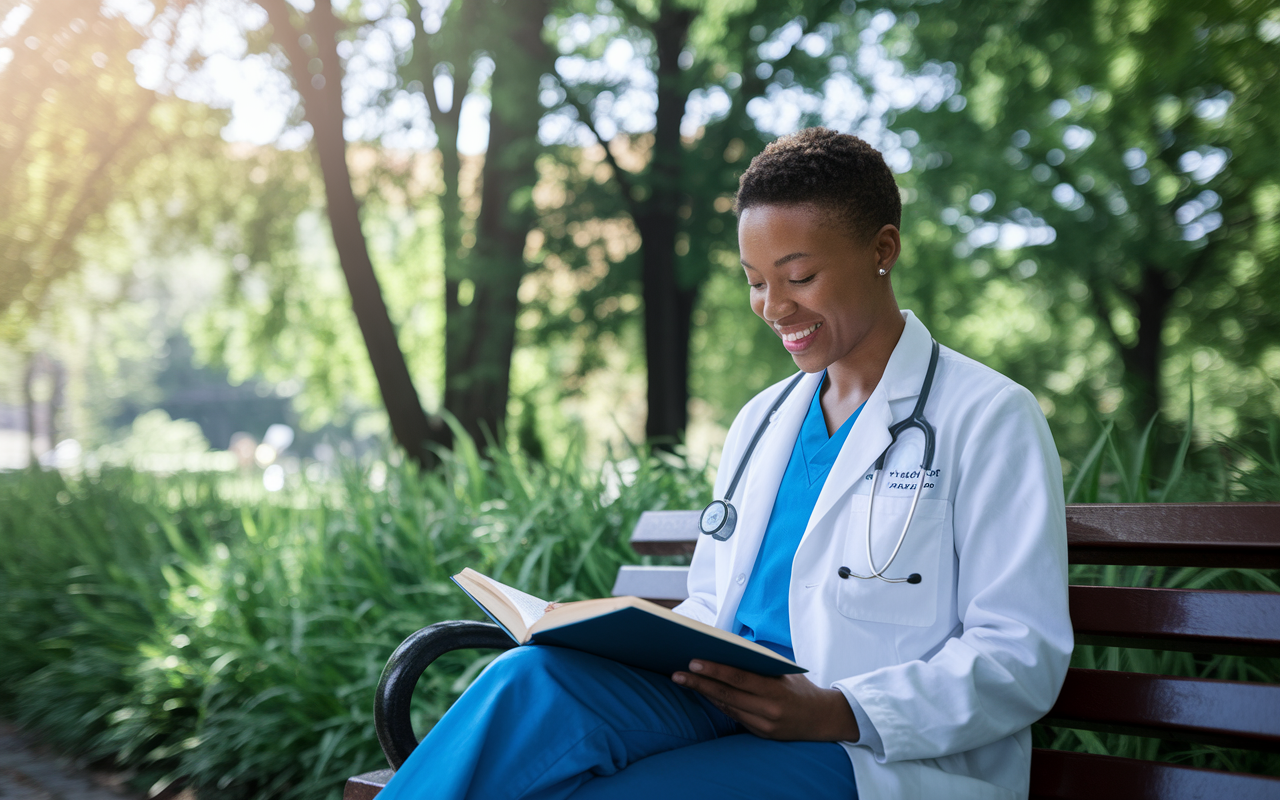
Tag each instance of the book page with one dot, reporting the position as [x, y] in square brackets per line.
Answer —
[511, 608]
[529, 607]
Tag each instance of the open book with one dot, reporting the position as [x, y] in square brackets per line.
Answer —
[628, 630]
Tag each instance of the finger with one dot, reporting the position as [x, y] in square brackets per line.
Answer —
[764, 728]
[749, 681]
[723, 694]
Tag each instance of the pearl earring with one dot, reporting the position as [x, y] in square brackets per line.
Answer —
[884, 272]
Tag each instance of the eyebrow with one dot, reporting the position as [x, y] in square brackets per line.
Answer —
[779, 262]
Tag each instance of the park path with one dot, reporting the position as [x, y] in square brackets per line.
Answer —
[30, 771]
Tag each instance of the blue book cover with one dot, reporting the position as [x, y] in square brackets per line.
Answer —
[637, 637]
[628, 630]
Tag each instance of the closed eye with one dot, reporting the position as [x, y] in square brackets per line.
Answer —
[801, 281]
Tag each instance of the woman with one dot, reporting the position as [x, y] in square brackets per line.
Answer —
[925, 667]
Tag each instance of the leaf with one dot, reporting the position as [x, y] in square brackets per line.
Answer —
[1091, 465]
[1180, 459]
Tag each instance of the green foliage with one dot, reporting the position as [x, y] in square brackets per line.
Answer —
[236, 643]
[1140, 131]
[592, 222]
[1117, 470]
[73, 125]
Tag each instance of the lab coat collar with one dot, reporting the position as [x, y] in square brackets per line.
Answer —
[870, 434]
[909, 361]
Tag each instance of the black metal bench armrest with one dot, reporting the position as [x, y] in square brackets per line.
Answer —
[406, 665]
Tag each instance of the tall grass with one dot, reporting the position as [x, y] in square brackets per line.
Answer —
[151, 622]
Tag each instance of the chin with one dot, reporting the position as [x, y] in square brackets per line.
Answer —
[810, 362]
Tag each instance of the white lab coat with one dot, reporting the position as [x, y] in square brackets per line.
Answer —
[950, 671]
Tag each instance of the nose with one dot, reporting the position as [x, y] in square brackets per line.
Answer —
[777, 305]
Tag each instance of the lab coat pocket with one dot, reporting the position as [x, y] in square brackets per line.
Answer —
[875, 600]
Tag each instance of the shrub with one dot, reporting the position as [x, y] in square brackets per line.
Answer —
[237, 645]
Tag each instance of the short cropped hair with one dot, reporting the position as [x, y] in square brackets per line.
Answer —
[834, 171]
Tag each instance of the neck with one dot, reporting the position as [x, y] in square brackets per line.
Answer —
[852, 378]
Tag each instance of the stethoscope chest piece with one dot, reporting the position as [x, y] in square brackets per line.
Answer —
[720, 517]
[718, 520]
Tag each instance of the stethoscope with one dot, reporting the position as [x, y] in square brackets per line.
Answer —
[719, 518]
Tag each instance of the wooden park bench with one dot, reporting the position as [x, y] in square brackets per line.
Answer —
[1212, 712]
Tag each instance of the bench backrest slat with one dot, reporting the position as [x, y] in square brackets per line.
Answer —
[665, 533]
[1189, 620]
[1151, 534]
[1175, 534]
[1225, 713]
[664, 585]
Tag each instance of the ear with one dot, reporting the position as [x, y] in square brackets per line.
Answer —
[887, 244]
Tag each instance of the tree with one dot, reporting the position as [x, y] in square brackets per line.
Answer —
[678, 199]
[310, 43]
[92, 166]
[484, 256]
[73, 126]
[1140, 132]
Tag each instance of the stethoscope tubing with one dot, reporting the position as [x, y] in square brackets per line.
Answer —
[728, 520]
[768, 417]
[902, 537]
[915, 420]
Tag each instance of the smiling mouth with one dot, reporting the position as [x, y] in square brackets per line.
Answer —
[795, 342]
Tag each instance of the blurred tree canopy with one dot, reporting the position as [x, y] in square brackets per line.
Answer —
[1140, 132]
[100, 179]
[74, 126]
[1090, 204]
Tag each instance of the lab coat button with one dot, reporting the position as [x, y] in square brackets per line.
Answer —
[742, 578]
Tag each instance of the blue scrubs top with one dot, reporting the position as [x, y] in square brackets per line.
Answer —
[763, 613]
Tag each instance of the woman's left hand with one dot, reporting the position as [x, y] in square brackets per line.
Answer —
[787, 708]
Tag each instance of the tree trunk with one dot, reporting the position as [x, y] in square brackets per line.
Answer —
[1143, 358]
[422, 66]
[668, 306]
[322, 104]
[29, 398]
[481, 334]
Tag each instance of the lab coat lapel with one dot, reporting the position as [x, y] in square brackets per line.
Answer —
[868, 438]
[763, 477]
[869, 435]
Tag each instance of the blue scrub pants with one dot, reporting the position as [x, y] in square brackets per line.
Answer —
[548, 723]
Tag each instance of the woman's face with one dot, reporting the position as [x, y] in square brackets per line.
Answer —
[818, 287]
